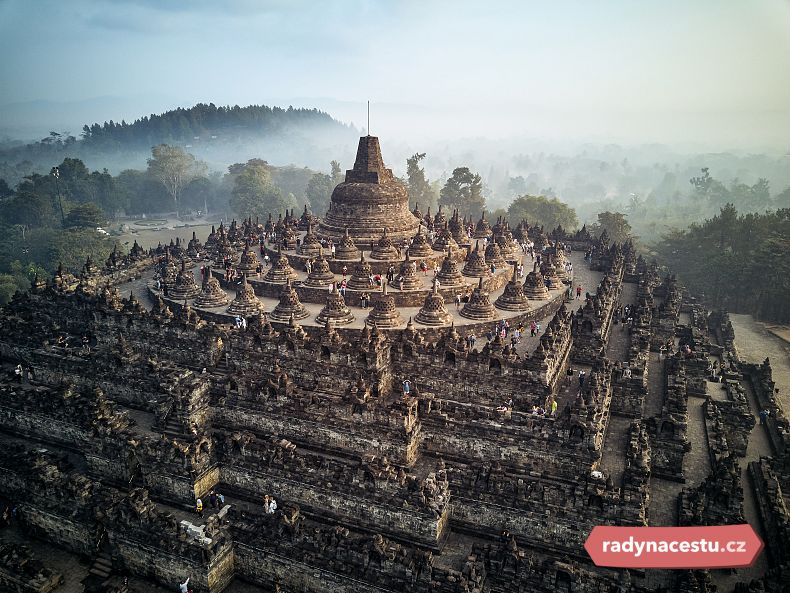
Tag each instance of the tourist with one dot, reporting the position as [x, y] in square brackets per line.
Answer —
[220, 500]
[532, 328]
[764, 416]
[345, 271]
[18, 373]
[343, 285]
[390, 273]
[553, 408]
[424, 268]
[579, 291]
[470, 340]
[199, 508]
[458, 301]
[184, 587]
[582, 374]
[269, 504]
[493, 269]
[363, 300]
[212, 499]
[258, 270]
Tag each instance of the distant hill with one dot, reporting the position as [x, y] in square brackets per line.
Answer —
[205, 122]
[219, 135]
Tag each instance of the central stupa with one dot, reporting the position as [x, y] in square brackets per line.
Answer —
[368, 201]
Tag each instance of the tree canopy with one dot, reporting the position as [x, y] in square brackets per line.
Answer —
[549, 212]
[255, 195]
[615, 224]
[739, 262]
[463, 190]
[421, 192]
[174, 168]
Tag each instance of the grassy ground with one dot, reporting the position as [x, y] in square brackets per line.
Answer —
[149, 233]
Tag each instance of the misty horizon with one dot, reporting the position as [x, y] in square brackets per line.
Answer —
[707, 77]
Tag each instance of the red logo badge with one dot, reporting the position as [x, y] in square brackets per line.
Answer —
[725, 546]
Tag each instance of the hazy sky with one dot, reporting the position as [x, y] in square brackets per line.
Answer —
[715, 72]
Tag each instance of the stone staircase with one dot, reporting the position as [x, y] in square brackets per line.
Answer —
[101, 567]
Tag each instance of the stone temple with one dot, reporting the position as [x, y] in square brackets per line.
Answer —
[368, 201]
[412, 442]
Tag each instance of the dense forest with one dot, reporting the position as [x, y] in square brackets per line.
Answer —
[740, 262]
[217, 135]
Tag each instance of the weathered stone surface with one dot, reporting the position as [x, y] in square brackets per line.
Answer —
[335, 310]
[368, 200]
[246, 303]
[433, 312]
[289, 306]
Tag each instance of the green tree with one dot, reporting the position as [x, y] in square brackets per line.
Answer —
[420, 189]
[319, 192]
[255, 195]
[782, 200]
[174, 168]
[140, 192]
[548, 212]
[87, 215]
[463, 190]
[337, 173]
[710, 189]
[615, 224]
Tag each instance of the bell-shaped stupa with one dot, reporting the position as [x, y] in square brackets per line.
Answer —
[368, 200]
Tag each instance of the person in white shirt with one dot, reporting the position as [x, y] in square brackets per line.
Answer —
[269, 504]
[184, 587]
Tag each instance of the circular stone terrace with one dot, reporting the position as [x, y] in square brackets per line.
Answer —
[407, 302]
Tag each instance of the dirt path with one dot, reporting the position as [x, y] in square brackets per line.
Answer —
[754, 343]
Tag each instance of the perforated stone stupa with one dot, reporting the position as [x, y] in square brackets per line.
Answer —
[212, 294]
[479, 306]
[534, 285]
[335, 309]
[384, 312]
[369, 200]
[433, 312]
[289, 305]
[512, 298]
[246, 303]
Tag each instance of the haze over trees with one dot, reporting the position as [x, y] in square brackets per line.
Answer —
[548, 212]
[740, 262]
[255, 195]
[217, 135]
[464, 191]
[421, 191]
[174, 168]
